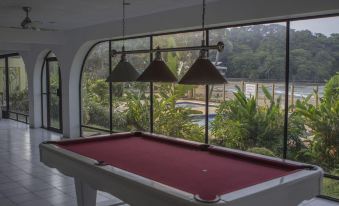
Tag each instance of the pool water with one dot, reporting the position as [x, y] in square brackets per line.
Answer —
[200, 119]
[197, 119]
[189, 104]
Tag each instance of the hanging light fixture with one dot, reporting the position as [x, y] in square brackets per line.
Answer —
[203, 71]
[157, 71]
[124, 71]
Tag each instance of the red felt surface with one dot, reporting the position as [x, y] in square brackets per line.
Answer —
[186, 168]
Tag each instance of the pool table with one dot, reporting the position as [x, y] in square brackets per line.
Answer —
[147, 169]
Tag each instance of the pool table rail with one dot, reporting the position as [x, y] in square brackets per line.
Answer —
[137, 190]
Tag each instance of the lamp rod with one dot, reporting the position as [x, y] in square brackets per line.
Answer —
[219, 47]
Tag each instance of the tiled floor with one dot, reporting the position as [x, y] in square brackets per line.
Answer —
[24, 181]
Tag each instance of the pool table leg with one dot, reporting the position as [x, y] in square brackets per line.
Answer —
[86, 195]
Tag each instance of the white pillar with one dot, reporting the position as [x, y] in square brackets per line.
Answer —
[71, 59]
[33, 63]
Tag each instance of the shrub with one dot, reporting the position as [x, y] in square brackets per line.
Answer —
[240, 123]
[262, 151]
[323, 121]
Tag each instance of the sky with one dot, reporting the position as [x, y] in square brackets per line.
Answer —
[326, 26]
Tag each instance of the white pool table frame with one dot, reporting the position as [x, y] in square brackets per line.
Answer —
[139, 191]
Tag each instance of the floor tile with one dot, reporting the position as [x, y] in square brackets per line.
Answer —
[24, 180]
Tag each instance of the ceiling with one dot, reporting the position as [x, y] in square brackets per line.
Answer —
[70, 14]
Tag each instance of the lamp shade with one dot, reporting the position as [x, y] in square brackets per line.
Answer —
[123, 72]
[203, 72]
[157, 71]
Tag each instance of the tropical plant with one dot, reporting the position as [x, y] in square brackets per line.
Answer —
[137, 112]
[241, 123]
[18, 101]
[174, 121]
[323, 121]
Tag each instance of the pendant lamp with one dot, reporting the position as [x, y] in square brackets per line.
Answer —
[157, 71]
[124, 71]
[203, 72]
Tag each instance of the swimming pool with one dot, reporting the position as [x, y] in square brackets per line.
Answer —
[200, 119]
[189, 104]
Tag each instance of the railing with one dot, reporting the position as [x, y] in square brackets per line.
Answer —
[95, 129]
[17, 115]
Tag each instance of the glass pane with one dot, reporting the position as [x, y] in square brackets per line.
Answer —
[132, 44]
[44, 110]
[91, 132]
[95, 90]
[247, 113]
[331, 187]
[44, 79]
[51, 54]
[18, 87]
[12, 116]
[130, 100]
[22, 118]
[44, 96]
[2, 83]
[314, 85]
[179, 109]
[188, 39]
[54, 99]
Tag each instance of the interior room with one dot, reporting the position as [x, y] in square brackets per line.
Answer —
[169, 103]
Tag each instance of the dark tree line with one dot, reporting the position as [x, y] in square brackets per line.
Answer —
[258, 52]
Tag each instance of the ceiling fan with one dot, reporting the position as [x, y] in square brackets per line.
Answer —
[27, 23]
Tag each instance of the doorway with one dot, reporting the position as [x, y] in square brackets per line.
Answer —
[51, 94]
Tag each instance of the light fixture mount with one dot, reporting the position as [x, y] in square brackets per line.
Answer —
[124, 71]
[203, 71]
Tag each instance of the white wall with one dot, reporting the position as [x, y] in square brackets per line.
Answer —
[71, 46]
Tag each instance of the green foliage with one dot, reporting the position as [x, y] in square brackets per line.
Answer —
[174, 121]
[18, 101]
[240, 123]
[95, 102]
[261, 150]
[137, 112]
[98, 114]
[331, 91]
[258, 52]
[331, 186]
[297, 139]
[323, 122]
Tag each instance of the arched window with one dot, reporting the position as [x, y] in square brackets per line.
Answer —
[113, 107]
[51, 93]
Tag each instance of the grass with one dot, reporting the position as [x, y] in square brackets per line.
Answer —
[331, 188]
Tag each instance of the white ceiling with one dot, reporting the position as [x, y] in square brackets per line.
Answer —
[69, 14]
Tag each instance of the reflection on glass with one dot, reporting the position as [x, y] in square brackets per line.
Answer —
[18, 87]
[54, 94]
[95, 90]
[247, 113]
[86, 132]
[130, 100]
[313, 98]
[331, 187]
[132, 44]
[188, 39]
[2, 83]
[44, 96]
[179, 109]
